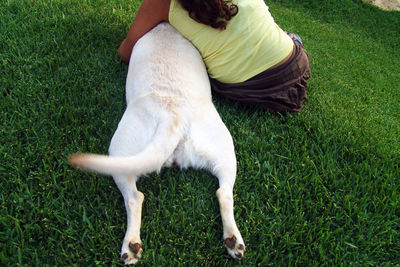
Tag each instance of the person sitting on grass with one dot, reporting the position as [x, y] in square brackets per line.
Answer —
[249, 58]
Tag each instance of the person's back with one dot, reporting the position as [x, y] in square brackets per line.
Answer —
[251, 43]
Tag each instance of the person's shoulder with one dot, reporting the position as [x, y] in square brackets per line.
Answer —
[156, 6]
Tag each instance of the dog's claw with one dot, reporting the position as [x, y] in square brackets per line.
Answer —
[133, 254]
[235, 249]
[124, 256]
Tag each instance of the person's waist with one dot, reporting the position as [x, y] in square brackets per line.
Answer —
[284, 60]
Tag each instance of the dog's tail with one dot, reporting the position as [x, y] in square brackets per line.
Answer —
[152, 158]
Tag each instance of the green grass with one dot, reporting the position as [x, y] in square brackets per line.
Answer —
[316, 188]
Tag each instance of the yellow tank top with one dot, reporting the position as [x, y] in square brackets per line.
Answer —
[251, 43]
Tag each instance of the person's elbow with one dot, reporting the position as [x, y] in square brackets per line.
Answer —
[124, 51]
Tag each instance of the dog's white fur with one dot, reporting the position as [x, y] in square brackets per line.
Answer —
[169, 119]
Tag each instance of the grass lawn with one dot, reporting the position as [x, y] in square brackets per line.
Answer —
[316, 188]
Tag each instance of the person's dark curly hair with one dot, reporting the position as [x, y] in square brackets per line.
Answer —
[215, 13]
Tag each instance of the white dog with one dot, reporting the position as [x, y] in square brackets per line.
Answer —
[169, 119]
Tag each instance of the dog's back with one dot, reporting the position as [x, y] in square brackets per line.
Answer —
[171, 63]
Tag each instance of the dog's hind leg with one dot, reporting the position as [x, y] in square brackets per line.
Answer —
[131, 249]
[232, 238]
[213, 145]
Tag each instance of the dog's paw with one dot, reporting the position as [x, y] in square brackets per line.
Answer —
[132, 253]
[235, 247]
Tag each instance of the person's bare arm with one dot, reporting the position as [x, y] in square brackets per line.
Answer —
[150, 13]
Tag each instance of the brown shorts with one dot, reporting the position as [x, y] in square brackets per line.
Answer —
[279, 89]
